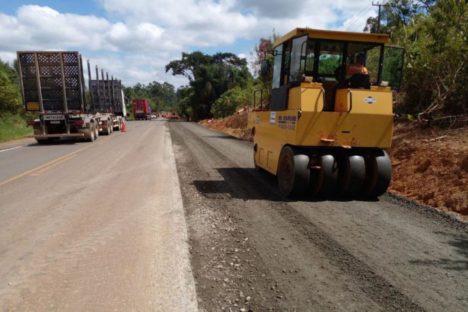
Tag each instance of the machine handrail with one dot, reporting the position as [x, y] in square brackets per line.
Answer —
[350, 93]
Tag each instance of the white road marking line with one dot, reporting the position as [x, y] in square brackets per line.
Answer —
[11, 148]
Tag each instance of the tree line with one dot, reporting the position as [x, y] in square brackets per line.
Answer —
[161, 96]
[433, 34]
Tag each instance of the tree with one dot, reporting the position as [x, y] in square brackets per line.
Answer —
[397, 14]
[209, 77]
[433, 34]
[230, 100]
[10, 96]
[263, 62]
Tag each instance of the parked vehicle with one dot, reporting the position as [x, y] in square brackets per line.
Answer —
[107, 101]
[52, 85]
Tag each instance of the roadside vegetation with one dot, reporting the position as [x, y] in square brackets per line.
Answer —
[13, 127]
[13, 121]
[210, 77]
[434, 36]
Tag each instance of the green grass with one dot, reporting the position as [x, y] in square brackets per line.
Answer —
[13, 127]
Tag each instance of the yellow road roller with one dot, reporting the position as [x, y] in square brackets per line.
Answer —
[324, 130]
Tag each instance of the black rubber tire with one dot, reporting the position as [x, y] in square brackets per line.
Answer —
[302, 174]
[293, 173]
[90, 134]
[285, 172]
[352, 182]
[327, 177]
[380, 172]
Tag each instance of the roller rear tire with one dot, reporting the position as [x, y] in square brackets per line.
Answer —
[327, 179]
[293, 173]
[352, 175]
[379, 174]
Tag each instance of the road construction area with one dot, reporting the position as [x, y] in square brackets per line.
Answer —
[171, 216]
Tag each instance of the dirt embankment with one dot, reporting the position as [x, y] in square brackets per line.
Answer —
[430, 165]
[235, 125]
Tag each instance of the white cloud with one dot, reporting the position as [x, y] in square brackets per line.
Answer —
[138, 38]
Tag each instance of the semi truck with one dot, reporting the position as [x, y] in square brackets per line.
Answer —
[141, 109]
[52, 85]
[107, 101]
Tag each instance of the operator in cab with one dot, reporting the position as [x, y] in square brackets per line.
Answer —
[359, 67]
[357, 75]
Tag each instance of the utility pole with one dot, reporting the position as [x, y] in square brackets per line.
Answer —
[380, 5]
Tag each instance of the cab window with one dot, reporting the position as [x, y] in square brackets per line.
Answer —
[331, 58]
[371, 53]
[297, 53]
[278, 54]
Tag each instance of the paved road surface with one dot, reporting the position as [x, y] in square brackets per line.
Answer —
[251, 248]
[94, 227]
[101, 227]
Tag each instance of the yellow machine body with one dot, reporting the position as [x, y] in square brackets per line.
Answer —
[362, 118]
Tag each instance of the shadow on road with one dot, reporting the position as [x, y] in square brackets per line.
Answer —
[253, 184]
[460, 243]
[58, 142]
[223, 136]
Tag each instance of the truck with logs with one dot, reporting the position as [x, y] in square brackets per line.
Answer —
[53, 87]
[107, 101]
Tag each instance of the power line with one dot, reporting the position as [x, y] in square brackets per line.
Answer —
[356, 17]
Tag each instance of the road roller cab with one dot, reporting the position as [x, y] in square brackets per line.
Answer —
[324, 131]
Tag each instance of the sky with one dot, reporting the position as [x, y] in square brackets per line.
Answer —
[133, 40]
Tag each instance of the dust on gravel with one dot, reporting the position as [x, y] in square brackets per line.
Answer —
[430, 165]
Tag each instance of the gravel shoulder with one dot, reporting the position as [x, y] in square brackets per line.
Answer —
[253, 249]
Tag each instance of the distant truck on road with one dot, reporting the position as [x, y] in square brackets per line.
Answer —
[52, 85]
[107, 101]
[141, 109]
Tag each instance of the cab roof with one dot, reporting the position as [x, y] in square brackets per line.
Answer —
[333, 35]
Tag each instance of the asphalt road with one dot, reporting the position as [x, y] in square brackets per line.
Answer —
[171, 216]
[94, 226]
[253, 249]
